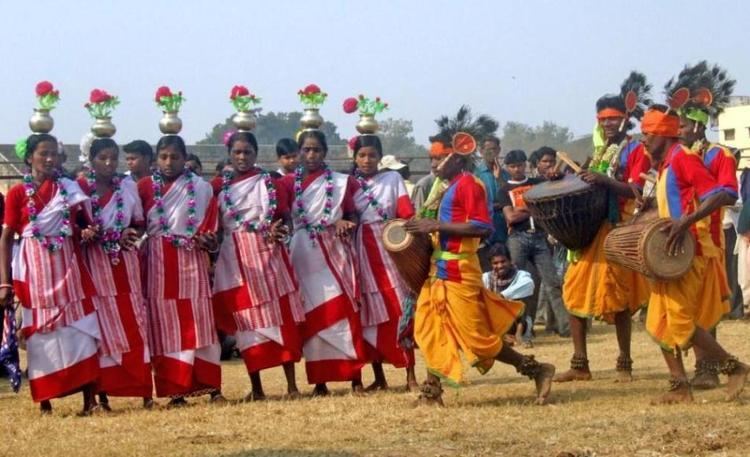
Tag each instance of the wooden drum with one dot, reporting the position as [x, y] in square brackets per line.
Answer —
[641, 246]
[410, 252]
[568, 209]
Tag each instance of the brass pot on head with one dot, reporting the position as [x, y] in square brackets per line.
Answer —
[367, 124]
[244, 121]
[103, 127]
[41, 121]
[170, 123]
[311, 119]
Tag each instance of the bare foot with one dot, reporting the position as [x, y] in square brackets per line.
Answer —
[412, 385]
[293, 394]
[218, 399]
[320, 390]
[431, 394]
[377, 385]
[573, 375]
[622, 376]
[705, 380]
[45, 407]
[90, 410]
[737, 380]
[358, 390]
[177, 402]
[543, 381]
[254, 396]
[676, 394]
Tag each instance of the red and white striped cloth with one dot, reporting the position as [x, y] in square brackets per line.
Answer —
[124, 357]
[382, 288]
[333, 346]
[256, 295]
[182, 335]
[59, 319]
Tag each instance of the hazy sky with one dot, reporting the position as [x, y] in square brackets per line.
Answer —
[526, 61]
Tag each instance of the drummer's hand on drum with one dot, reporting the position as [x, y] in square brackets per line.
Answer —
[344, 228]
[644, 204]
[677, 231]
[425, 226]
[592, 178]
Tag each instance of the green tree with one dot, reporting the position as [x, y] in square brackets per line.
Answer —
[272, 127]
[517, 135]
[397, 136]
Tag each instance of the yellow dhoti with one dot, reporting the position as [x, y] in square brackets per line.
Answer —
[461, 316]
[677, 307]
[595, 287]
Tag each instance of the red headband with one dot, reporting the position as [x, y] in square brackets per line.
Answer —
[655, 122]
[609, 112]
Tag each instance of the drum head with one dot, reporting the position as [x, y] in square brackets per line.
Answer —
[569, 184]
[665, 266]
[395, 237]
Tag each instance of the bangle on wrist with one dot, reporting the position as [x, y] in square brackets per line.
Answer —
[6, 286]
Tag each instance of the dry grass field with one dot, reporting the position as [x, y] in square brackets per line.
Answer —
[491, 415]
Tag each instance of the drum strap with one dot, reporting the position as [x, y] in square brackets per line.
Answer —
[445, 255]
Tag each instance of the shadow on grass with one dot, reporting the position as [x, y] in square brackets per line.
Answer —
[289, 453]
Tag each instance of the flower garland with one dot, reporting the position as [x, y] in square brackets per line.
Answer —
[110, 237]
[369, 195]
[698, 147]
[52, 244]
[602, 159]
[177, 241]
[313, 229]
[264, 225]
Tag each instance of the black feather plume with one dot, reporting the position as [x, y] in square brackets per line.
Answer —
[702, 75]
[637, 82]
[480, 127]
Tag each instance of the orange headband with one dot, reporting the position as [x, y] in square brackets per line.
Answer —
[438, 150]
[655, 122]
[609, 112]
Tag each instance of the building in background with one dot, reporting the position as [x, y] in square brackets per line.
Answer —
[734, 128]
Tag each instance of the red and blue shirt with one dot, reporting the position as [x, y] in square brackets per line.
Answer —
[634, 161]
[465, 201]
[684, 181]
[723, 167]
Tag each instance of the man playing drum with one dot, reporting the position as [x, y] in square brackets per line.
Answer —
[594, 287]
[710, 89]
[454, 311]
[679, 312]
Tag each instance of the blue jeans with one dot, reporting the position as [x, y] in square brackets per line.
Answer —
[531, 249]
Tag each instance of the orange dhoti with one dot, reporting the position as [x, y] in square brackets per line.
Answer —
[595, 287]
[456, 316]
[698, 299]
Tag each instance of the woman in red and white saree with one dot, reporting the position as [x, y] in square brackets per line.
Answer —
[322, 257]
[256, 296]
[381, 196]
[117, 217]
[50, 279]
[181, 218]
